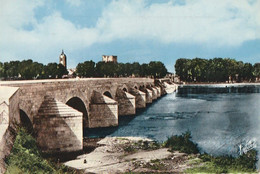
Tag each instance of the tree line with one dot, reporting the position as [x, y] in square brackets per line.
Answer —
[27, 69]
[216, 70]
[155, 69]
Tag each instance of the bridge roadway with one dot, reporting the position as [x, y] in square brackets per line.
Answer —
[58, 110]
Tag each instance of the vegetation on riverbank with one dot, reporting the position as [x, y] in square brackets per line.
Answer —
[25, 157]
[28, 69]
[182, 143]
[212, 164]
[216, 70]
[226, 164]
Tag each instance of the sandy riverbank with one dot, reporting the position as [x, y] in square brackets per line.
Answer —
[119, 155]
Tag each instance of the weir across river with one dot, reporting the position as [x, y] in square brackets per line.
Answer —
[58, 110]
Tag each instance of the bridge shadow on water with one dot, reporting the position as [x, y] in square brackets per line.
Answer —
[105, 131]
[90, 133]
[93, 135]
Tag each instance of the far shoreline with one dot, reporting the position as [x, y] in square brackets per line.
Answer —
[222, 84]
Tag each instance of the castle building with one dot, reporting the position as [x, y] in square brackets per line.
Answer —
[63, 59]
[106, 58]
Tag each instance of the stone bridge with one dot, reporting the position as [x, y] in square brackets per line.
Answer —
[58, 110]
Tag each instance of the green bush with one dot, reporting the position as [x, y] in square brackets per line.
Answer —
[227, 164]
[26, 158]
[182, 143]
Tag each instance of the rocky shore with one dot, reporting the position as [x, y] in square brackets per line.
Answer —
[130, 154]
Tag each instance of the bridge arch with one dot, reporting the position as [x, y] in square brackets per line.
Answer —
[149, 86]
[78, 104]
[25, 121]
[142, 88]
[108, 94]
[124, 87]
[26, 108]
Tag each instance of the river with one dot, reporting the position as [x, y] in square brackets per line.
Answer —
[218, 120]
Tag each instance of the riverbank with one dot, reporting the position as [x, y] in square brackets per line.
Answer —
[127, 155]
[222, 84]
[132, 154]
[140, 155]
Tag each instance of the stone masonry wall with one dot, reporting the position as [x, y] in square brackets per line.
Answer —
[126, 104]
[59, 128]
[140, 98]
[149, 96]
[9, 107]
[32, 92]
[103, 115]
[154, 90]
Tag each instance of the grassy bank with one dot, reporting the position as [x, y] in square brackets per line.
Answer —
[212, 164]
[25, 157]
[245, 163]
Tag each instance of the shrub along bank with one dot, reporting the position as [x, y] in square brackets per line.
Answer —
[26, 157]
[212, 164]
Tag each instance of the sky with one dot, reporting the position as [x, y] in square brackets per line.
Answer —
[134, 30]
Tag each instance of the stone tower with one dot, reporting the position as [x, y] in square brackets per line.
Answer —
[106, 58]
[63, 59]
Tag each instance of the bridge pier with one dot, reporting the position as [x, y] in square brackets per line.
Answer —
[154, 90]
[103, 111]
[149, 96]
[140, 98]
[126, 103]
[59, 128]
[9, 111]
[158, 91]
[170, 88]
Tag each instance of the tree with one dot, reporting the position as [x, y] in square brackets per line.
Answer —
[247, 72]
[86, 69]
[120, 69]
[11, 69]
[256, 70]
[61, 70]
[213, 70]
[135, 69]
[182, 68]
[144, 70]
[30, 70]
[106, 69]
[198, 69]
[157, 69]
[54, 70]
[1, 70]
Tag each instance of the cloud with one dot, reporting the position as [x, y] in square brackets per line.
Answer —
[218, 23]
[225, 22]
[74, 2]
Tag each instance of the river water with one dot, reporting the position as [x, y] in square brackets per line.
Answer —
[218, 120]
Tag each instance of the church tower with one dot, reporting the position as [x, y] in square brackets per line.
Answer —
[63, 59]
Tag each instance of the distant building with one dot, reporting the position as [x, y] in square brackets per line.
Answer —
[71, 71]
[111, 58]
[63, 59]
